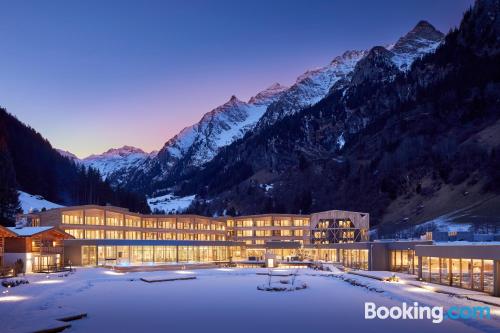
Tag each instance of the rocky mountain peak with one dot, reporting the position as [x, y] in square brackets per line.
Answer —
[346, 56]
[234, 99]
[124, 151]
[422, 35]
[271, 92]
[116, 153]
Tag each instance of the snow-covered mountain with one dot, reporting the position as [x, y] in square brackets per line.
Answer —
[123, 159]
[220, 127]
[422, 39]
[314, 85]
[198, 144]
[311, 87]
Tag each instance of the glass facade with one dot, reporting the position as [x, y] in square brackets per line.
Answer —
[355, 258]
[475, 274]
[46, 263]
[138, 255]
[404, 261]
[327, 254]
[335, 231]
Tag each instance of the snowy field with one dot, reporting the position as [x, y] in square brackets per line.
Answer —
[30, 202]
[170, 204]
[220, 300]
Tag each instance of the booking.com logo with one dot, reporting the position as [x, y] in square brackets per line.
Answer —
[416, 311]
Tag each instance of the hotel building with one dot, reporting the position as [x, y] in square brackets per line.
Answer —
[112, 236]
[107, 235]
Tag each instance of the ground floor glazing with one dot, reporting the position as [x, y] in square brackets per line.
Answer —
[474, 274]
[92, 255]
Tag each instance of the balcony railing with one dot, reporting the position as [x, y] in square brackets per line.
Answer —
[51, 250]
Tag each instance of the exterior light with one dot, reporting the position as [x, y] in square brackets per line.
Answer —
[49, 281]
[12, 298]
[418, 290]
[113, 273]
[184, 272]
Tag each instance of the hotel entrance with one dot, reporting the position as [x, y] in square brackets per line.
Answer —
[89, 255]
[46, 263]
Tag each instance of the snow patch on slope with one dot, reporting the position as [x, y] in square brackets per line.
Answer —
[30, 203]
[170, 204]
[446, 223]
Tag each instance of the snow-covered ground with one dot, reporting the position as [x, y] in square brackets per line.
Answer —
[221, 300]
[169, 203]
[30, 202]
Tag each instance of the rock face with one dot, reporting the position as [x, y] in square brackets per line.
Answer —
[377, 66]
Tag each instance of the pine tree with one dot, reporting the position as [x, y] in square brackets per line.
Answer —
[9, 197]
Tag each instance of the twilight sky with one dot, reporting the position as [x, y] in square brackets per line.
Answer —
[91, 75]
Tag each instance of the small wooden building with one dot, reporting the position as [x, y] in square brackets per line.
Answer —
[40, 248]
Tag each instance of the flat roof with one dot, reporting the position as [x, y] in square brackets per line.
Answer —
[218, 218]
[148, 242]
[482, 250]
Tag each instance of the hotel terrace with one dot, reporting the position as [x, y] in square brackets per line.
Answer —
[93, 235]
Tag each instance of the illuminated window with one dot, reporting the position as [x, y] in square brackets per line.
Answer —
[166, 223]
[149, 235]
[286, 233]
[133, 222]
[71, 219]
[77, 233]
[300, 222]
[94, 220]
[94, 234]
[166, 235]
[149, 223]
[114, 221]
[114, 234]
[132, 235]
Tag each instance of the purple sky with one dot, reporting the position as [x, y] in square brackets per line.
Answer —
[91, 75]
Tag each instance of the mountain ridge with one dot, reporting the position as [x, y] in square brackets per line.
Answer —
[199, 143]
